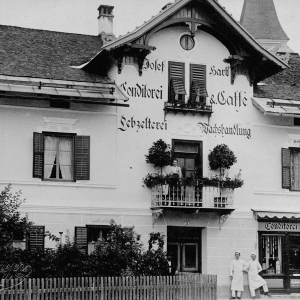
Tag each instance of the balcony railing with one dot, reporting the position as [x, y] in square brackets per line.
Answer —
[185, 108]
[198, 196]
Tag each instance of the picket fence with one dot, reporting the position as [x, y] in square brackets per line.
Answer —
[180, 287]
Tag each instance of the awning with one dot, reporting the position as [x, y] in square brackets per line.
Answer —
[276, 214]
[50, 89]
[278, 107]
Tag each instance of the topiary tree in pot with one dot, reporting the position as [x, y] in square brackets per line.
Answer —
[221, 157]
[160, 154]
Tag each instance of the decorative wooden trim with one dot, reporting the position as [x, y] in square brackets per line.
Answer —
[240, 66]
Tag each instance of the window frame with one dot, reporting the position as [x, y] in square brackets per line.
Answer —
[200, 151]
[190, 77]
[80, 157]
[62, 135]
[287, 167]
[83, 234]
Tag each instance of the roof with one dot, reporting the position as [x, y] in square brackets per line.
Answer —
[277, 107]
[283, 85]
[47, 54]
[172, 8]
[260, 19]
[52, 89]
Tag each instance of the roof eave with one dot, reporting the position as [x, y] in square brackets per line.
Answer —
[172, 9]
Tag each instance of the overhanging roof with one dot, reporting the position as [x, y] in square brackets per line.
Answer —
[50, 89]
[276, 214]
[166, 13]
[278, 107]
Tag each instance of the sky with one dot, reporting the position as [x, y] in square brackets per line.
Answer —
[80, 16]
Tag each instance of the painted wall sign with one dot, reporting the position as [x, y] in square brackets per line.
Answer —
[236, 129]
[142, 91]
[236, 100]
[154, 65]
[144, 124]
[273, 226]
[219, 72]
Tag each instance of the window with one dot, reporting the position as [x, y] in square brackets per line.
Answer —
[86, 237]
[59, 156]
[187, 42]
[36, 238]
[196, 79]
[290, 160]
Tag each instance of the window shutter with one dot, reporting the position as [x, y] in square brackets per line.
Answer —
[38, 155]
[82, 157]
[81, 238]
[176, 81]
[286, 168]
[198, 83]
[36, 237]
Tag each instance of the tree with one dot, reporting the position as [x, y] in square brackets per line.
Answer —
[160, 154]
[11, 222]
[118, 253]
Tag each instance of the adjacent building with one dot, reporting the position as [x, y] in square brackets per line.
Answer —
[79, 113]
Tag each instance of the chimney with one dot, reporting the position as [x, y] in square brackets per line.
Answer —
[105, 19]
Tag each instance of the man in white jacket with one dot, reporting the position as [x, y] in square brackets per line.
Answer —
[237, 266]
[255, 281]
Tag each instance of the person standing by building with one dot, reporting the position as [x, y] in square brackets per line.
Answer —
[237, 266]
[255, 281]
[175, 169]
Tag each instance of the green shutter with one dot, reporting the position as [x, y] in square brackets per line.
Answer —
[38, 155]
[198, 90]
[81, 238]
[36, 237]
[82, 157]
[176, 82]
[286, 168]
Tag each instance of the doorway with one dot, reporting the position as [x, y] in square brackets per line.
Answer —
[184, 248]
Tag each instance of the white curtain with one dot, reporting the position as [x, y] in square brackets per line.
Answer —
[50, 154]
[65, 158]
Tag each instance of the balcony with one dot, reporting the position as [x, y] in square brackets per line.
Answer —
[197, 197]
[192, 199]
[184, 108]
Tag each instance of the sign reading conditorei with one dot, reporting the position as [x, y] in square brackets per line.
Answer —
[276, 226]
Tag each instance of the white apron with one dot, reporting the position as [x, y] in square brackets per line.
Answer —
[236, 270]
[255, 281]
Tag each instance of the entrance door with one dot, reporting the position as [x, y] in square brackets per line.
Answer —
[184, 248]
[294, 263]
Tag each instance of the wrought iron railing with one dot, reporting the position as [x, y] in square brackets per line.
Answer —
[195, 196]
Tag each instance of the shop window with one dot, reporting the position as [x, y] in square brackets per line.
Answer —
[178, 77]
[87, 237]
[290, 160]
[59, 156]
[36, 238]
[271, 249]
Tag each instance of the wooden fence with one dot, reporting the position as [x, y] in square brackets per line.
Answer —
[181, 287]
